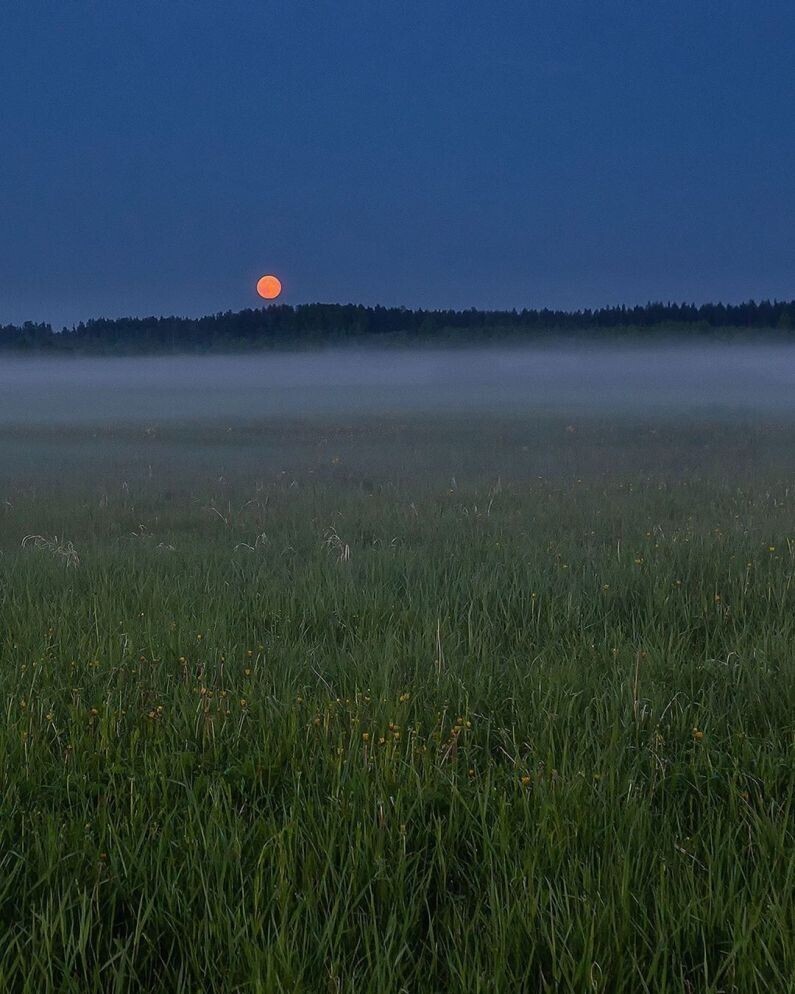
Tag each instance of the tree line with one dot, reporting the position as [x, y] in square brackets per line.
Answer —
[311, 324]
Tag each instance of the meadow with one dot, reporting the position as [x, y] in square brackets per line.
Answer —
[450, 704]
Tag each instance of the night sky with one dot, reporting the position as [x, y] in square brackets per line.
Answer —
[157, 157]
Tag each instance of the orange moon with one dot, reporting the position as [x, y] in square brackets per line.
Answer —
[269, 287]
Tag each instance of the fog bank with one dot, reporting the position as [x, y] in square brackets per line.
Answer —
[675, 379]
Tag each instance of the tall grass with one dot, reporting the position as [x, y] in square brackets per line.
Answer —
[369, 727]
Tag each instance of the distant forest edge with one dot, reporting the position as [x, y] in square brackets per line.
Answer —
[283, 325]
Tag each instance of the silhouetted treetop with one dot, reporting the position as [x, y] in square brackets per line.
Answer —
[283, 325]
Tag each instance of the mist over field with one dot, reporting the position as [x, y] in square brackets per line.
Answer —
[717, 378]
[453, 619]
[304, 652]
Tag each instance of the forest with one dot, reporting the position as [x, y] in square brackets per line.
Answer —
[283, 325]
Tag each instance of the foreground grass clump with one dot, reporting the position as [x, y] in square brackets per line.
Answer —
[328, 733]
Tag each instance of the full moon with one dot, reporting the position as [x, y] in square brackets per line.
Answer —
[269, 287]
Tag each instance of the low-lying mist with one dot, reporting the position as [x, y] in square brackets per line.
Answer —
[675, 379]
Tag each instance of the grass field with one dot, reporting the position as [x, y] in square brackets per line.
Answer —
[399, 705]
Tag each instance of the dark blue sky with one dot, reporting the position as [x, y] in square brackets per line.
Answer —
[156, 157]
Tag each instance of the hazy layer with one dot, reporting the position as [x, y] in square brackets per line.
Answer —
[717, 377]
